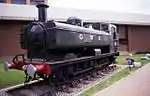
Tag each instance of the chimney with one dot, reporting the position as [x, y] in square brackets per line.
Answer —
[42, 12]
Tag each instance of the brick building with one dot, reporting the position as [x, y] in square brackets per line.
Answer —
[133, 29]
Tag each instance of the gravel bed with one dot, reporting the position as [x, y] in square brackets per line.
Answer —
[90, 81]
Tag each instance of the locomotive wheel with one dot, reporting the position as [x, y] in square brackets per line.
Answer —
[68, 71]
[70, 68]
[64, 73]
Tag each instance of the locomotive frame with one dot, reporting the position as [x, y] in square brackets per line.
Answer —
[61, 62]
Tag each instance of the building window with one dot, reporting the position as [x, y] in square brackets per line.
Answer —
[35, 2]
[2, 1]
[18, 1]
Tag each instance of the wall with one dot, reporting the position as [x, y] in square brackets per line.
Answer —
[9, 38]
[139, 38]
[123, 39]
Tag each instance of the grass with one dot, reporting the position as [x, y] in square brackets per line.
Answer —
[12, 77]
[114, 78]
[105, 83]
[121, 59]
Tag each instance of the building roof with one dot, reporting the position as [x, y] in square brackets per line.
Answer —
[30, 12]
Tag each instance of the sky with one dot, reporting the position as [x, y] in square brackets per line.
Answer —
[125, 6]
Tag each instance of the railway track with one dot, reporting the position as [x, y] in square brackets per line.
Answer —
[70, 88]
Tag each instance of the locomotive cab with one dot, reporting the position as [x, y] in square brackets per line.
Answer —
[111, 30]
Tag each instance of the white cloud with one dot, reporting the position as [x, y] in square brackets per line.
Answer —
[130, 6]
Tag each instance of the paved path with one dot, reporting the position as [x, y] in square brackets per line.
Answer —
[136, 84]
